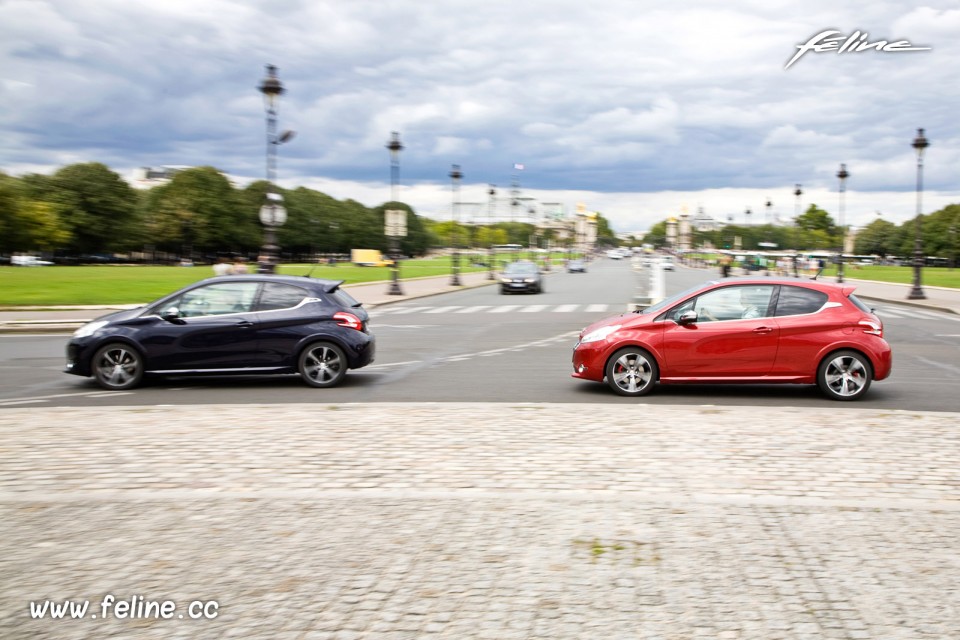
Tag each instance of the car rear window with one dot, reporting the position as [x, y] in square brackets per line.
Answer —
[859, 304]
[795, 301]
[343, 298]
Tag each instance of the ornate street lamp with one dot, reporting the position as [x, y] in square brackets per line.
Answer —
[492, 192]
[272, 213]
[395, 147]
[455, 177]
[916, 292]
[769, 210]
[843, 174]
[747, 214]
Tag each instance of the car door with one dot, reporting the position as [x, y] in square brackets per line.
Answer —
[215, 328]
[722, 343]
[285, 311]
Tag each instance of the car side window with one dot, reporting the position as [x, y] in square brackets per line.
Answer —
[217, 299]
[280, 296]
[729, 303]
[795, 301]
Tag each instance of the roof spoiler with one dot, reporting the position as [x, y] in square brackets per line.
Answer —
[333, 286]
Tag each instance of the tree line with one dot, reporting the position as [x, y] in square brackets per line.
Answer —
[815, 229]
[86, 209]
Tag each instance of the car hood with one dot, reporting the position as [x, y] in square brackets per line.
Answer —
[120, 316]
[623, 319]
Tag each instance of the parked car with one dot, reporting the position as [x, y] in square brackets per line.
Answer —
[521, 276]
[256, 324]
[757, 330]
[576, 266]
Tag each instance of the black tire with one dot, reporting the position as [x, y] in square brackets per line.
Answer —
[117, 367]
[632, 371]
[322, 364]
[844, 375]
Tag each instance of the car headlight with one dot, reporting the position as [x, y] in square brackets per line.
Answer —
[600, 334]
[89, 329]
[530, 280]
[506, 280]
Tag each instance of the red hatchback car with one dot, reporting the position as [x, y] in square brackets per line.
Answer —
[757, 330]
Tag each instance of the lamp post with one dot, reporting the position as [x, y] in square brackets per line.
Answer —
[843, 174]
[769, 209]
[916, 292]
[395, 147]
[796, 216]
[455, 177]
[492, 192]
[747, 214]
[272, 213]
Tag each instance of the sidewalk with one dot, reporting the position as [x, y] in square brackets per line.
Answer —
[471, 521]
[374, 294]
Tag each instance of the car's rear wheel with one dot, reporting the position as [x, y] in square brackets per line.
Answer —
[844, 375]
[632, 371]
[117, 367]
[322, 364]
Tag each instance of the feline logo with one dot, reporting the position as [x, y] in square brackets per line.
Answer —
[831, 40]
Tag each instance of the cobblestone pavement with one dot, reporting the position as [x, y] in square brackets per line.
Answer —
[484, 521]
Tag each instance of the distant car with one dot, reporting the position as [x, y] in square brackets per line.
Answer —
[614, 254]
[756, 330]
[666, 263]
[29, 261]
[576, 266]
[521, 276]
[255, 324]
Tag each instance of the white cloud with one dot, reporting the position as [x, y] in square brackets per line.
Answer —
[634, 106]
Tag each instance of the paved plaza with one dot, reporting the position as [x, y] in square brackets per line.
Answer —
[461, 521]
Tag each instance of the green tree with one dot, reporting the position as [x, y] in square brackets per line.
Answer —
[94, 204]
[877, 238]
[199, 210]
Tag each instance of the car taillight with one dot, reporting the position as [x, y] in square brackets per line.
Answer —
[348, 320]
[872, 328]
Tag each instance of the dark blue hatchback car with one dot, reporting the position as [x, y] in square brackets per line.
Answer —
[256, 324]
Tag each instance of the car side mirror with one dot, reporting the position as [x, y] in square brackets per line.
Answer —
[687, 317]
[172, 314]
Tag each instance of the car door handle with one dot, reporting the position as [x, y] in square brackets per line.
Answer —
[244, 324]
[763, 330]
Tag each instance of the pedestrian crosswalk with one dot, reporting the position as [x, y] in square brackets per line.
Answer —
[913, 312]
[503, 308]
[885, 311]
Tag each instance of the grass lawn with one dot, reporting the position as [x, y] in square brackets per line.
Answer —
[135, 284]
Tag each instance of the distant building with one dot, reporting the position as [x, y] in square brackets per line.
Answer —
[146, 177]
[704, 222]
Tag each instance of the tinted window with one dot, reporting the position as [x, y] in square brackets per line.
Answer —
[217, 299]
[344, 299]
[798, 300]
[859, 304]
[520, 268]
[280, 296]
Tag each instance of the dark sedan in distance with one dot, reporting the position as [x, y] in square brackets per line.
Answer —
[255, 324]
[521, 276]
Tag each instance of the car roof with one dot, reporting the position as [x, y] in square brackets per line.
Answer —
[823, 285]
[327, 286]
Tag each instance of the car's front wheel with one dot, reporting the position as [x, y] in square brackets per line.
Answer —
[844, 375]
[322, 364]
[117, 367]
[632, 372]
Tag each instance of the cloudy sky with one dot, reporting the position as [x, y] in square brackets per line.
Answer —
[634, 108]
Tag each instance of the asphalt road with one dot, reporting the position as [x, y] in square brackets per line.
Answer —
[480, 346]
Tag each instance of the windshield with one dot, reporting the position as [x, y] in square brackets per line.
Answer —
[666, 303]
[521, 267]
